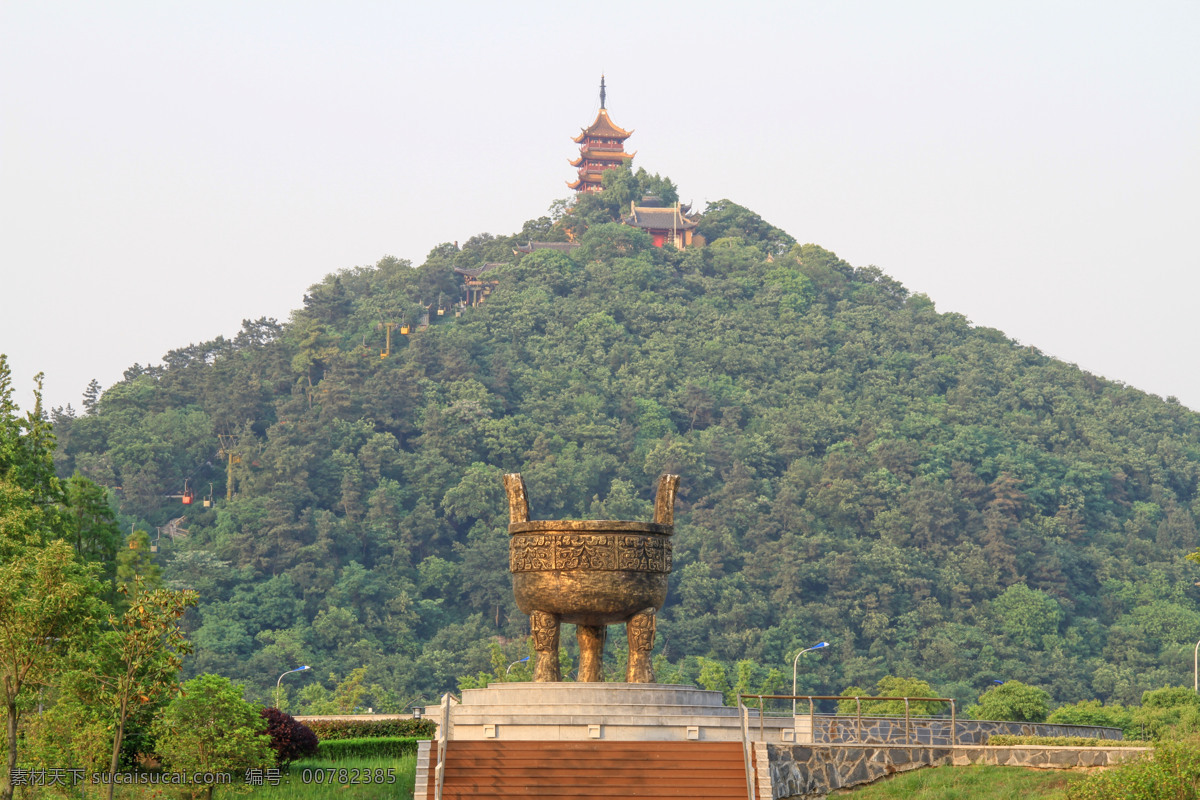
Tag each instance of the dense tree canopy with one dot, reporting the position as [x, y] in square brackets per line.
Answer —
[929, 496]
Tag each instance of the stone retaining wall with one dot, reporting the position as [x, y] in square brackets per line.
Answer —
[812, 771]
[936, 732]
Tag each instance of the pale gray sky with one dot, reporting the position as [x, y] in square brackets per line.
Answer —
[169, 169]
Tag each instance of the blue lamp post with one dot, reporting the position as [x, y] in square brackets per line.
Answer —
[513, 664]
[289, 672]
[795, 663]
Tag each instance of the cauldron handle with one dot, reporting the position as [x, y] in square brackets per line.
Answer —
[518, 500]
[664, 500]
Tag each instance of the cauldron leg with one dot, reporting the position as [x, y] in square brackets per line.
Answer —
[591, 652]
[544, 627]
[640, 631]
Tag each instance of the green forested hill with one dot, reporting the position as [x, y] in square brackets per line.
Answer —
[931, 497]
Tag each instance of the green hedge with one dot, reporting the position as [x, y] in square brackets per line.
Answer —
[374, 747]
[1004, 740]
[333, 729]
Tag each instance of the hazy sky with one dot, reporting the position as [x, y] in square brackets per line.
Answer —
[169, 169]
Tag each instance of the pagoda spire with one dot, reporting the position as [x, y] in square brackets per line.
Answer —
[602, 90]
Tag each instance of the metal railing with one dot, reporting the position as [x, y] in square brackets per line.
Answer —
[858, 715]
[443, 739]
[744, 715]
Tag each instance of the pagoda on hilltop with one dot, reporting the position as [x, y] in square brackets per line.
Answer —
[601, 148]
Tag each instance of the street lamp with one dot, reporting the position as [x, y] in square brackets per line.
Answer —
[513, 664]
[416, 709]
[289, 672]
[795, 662]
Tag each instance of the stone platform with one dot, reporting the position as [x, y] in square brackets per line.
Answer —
[629, 712]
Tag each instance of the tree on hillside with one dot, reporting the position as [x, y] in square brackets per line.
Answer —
[1093, 712]
[209, 728]
[47, 597]
[1012, 701]
[857, 466]
[892, 686]
[47, 602]
[93, 527]
[140, 658]
[724, 218]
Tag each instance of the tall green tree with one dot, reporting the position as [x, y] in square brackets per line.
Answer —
[47, 605]
[140, 657]
[48, 599]
[92, 529]
[209, 728]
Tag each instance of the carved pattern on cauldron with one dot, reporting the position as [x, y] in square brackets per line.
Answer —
[644, 553]
[532, 553]
[590, 573]
[585, 552]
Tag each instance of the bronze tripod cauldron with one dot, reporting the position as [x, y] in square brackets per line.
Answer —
[590, 573]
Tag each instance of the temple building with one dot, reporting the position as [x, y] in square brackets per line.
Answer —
[475, 286]
[666, 225]
[562, 247]
[601, 148]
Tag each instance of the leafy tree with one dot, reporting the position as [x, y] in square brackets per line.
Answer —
[892, 686]
[1172, 712]
[210, 728]
[521, 666]
[723, 218]
[93, 526]
[135, 563]
[47, 601]
[713, 676]
[348, 694]
[140, 658]
[1093, 712]
[1011, 700]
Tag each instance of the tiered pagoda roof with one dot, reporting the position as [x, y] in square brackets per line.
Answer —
[602, 128]
[601, 148]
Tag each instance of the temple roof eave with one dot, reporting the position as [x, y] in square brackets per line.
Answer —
[613, 157]
[586, 132]
[603, 126]
[659, 219]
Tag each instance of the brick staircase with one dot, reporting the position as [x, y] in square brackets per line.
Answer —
[585, 769]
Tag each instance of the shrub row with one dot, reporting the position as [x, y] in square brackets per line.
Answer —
[332, 729]
[374, 747]
[1005, 740]
[1173, 771]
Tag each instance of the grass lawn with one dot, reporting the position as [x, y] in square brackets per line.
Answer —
[969, 783]
[347, 779]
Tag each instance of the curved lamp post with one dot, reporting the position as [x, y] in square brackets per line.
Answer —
[289, 672]
[795, 662]
[513, 664]
[1196, 669]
